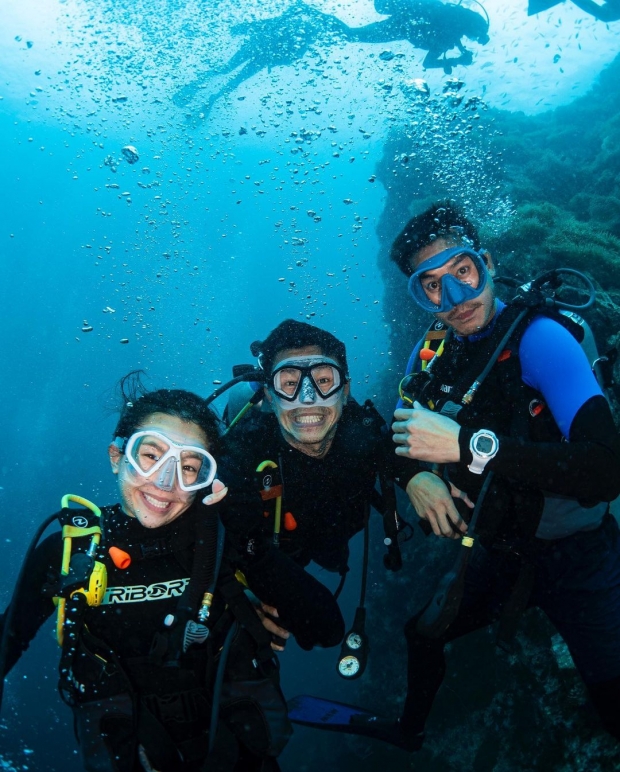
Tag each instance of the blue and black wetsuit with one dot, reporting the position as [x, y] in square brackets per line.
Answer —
[557, 467]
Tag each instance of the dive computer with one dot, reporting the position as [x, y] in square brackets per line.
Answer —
[484, 446]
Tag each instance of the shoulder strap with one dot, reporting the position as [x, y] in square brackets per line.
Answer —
[433, 345]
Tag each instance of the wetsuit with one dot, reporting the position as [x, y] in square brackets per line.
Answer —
[130, 682]
[557, 467]
[324, 499]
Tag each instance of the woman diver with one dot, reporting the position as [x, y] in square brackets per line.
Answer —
[164, 660]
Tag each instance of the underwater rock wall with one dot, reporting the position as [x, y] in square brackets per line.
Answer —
[545, 192]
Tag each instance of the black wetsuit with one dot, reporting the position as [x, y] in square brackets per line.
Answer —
[544, 528]
[324, 499]
[130, 678]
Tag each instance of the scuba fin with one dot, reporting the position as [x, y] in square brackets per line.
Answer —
[538, 6]
[349, 719]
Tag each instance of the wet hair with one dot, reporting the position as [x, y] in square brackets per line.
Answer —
[443, 219]
[137, 404]
[293, 334]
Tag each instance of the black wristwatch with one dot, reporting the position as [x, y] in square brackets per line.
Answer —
[483, 446]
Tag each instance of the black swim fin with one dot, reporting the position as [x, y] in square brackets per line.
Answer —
[538, 6]
[338, 717]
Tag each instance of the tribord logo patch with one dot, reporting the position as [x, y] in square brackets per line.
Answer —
[137, 593]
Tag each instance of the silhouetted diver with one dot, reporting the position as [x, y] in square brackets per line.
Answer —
[433, 25]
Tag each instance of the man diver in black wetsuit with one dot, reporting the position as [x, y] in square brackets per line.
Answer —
[508, 414]
[432, 25]
[324, 449]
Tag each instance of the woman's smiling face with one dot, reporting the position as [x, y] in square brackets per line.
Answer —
[140, 496]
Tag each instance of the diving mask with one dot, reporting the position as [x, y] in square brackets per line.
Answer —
[454, 290]
[151, 454]
[307, 381]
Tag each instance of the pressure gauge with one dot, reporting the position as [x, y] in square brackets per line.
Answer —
[348, 666]
[354, 649]
[354, 640]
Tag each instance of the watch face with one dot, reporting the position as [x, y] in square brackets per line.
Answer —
[348, 666]
[484, 445]
[354, 641]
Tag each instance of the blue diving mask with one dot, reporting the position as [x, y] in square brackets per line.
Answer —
[454, 290]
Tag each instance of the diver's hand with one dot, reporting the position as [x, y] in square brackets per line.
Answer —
[218, 492]
[426, 436]
[271, 626]
[432, 500]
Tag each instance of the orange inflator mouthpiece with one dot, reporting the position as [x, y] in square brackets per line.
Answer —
[289, 522]
[120, 558]
[426, 354]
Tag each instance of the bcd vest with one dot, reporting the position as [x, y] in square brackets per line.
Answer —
[507, 406]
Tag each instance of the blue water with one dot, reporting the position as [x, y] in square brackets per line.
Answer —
[204, 244]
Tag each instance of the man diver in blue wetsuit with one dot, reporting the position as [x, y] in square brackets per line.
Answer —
[507, 416]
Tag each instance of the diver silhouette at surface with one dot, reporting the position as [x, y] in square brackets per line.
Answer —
[269, 43]
[608, 10]
[432, 25]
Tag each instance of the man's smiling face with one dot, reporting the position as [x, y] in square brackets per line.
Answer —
[309, 428]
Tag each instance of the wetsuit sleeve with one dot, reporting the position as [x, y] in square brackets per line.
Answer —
[306, 607]
[32, 609]
[553, 363]
[587, 467]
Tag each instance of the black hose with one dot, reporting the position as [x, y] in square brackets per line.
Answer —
[365, 558]
[207, 559]
[9, 613]
[446, 601]
[571, 306]
[392, 560]
[217, 686]
[256, 375]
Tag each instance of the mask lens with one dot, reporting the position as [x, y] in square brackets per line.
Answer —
[286, 381]
[195, 468]
[326, 379]
[147, 451]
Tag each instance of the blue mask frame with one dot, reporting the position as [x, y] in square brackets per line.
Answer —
[453, 291]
